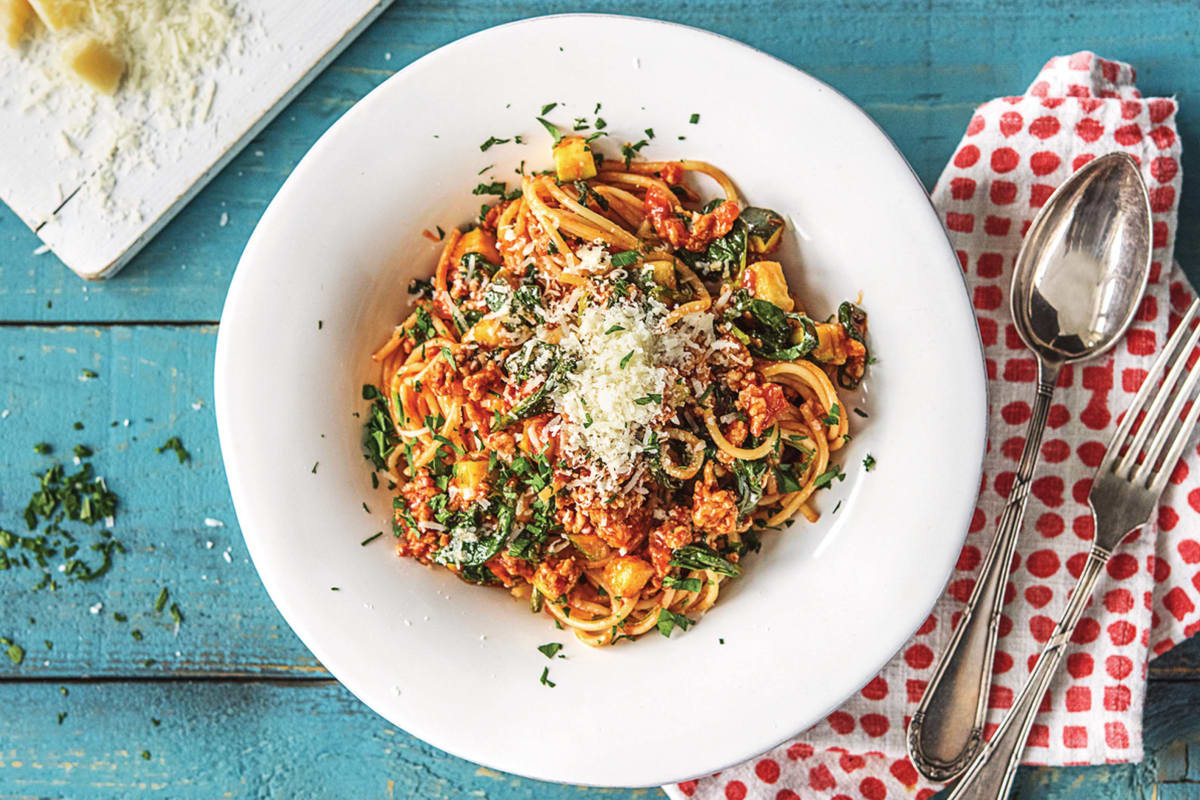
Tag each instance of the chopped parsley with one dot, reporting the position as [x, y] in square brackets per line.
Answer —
[614, 329]
[648, 399]
[551, 129]
[869, 462]
[624, 259]
[546, 109]
[88, 374]
[317, 464]
[826, 478]
[491, 140]
[16, 653]
[668, 621]
[136, 634]
[176, 445]
[649, 133]
[495, 187]
[160, 602]
[82, 451]
[630, 151]
[61, 716]
[370, 539]
[176, 614]
[42, 449]
[860, 412]
[549, 650]
[694, 119]
[834, 416]
[545, 679]
[682, 584]
[625, 360]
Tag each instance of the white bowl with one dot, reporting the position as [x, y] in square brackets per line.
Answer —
[818, 611]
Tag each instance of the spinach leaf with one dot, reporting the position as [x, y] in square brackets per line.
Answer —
[769, 324]
[751, 475]
[724, 257]
[854, 320]
[697, 556]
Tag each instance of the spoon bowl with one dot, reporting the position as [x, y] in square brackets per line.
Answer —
[1084, 264]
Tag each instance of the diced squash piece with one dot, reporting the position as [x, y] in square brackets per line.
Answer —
[625, 576]
[664, 274]
[14, 16]
[834, 345]
[469, 475]
[98, 65]
[765, 228]
[476, 240]
[765, 281]
[573, 159]
[592, 546]
[59, 14]
[488, 332]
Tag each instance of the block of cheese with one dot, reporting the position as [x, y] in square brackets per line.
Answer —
[59, 14]
[14, 15]
[97, 64]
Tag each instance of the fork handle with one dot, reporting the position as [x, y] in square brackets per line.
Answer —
[990, 775]
[947, 728]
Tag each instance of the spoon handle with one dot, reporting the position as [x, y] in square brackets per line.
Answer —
[990, 776]
[947, 728]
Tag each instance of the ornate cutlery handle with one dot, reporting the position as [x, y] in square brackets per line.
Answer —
[947, 728]
[990, 776]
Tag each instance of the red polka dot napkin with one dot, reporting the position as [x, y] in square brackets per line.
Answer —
[1015, 152]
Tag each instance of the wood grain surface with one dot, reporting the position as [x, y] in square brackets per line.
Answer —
[245, 710]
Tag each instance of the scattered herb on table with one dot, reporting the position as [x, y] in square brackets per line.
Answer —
[545, 679]
[550, 649]
[176, 445]
[160, 602]
[176, 615]
[16, 653]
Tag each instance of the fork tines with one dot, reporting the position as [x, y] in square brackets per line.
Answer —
[1129, 457]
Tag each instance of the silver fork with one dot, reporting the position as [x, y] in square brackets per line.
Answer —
[1124, 492]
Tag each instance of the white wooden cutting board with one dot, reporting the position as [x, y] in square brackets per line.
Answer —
[95, 197]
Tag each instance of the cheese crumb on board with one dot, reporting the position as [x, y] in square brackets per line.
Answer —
[97, 65]
[14, 16]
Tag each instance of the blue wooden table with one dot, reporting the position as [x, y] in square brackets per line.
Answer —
[226, 702]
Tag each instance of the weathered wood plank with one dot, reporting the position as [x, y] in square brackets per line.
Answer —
[159, 379]
[309, 739]
[917, 68]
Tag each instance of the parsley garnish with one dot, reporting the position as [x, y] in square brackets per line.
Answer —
[669, 620]
[834, 416]
[587, 419]
[16, 653]
[176, 445]
[160, 602]
[495, 187]
[825, 478]
[631, 150]
[624, 259]
[600, 123]
[694, 119]
[545, 679]
[682, 584]
[491, 140]
[549, 650]
[88, 373]
[648, 399]
[697, 556]
[82, 451]
[551, 129]
[546, 109]
[370, 539]
[42, 449]
[176, 615]
[446, 354]
[317, 464]
[614, 329]
[625, 360]
[869, 462]
[650, 133]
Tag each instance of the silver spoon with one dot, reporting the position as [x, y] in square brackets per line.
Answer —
[1077, 282]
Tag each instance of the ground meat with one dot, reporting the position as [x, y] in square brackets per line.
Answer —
[502, 442]
[416, 542]
[660, 209]
[555, 577]
[672, 533]
[622, 524]
[714, 511]
[478, 384]
[507, 568]
[763, 405]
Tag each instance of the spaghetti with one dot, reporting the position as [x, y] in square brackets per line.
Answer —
[606, 392]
